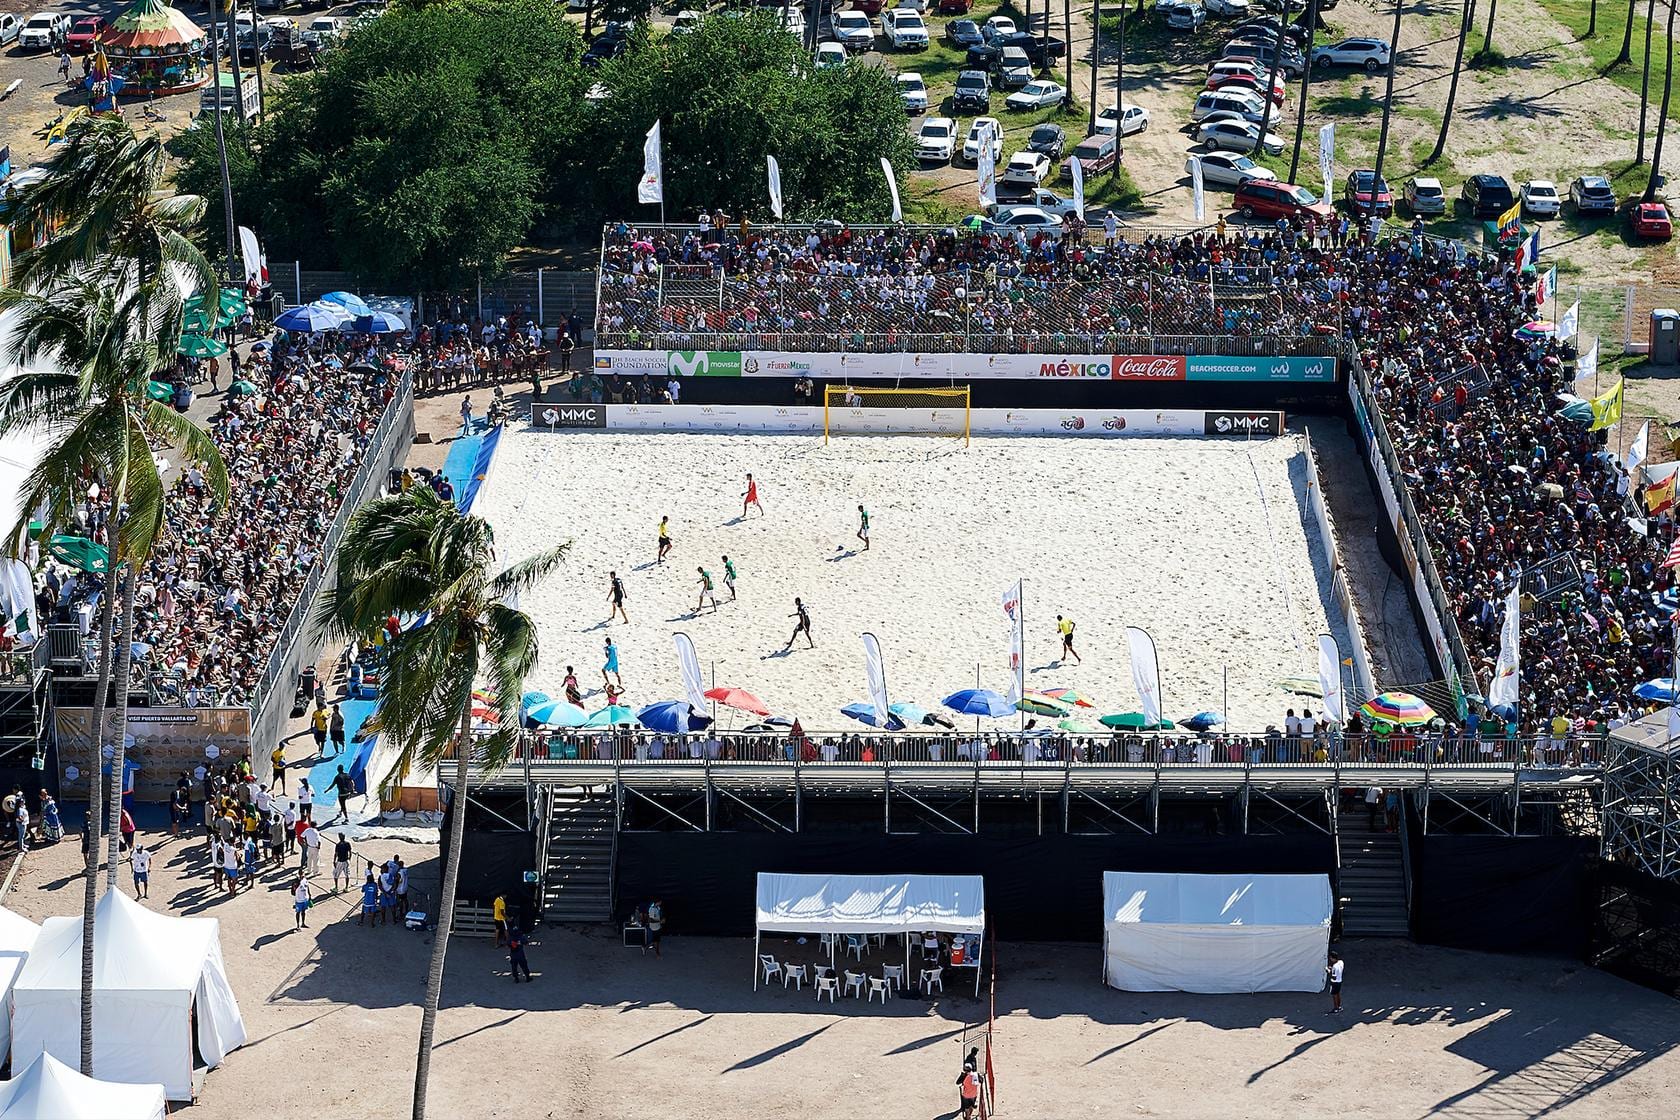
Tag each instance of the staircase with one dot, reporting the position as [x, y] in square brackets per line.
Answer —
[1371, 892]
[578, 879]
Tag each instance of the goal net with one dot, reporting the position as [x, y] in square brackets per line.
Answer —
[850, 410]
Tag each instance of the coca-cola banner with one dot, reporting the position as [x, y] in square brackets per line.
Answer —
[1068, 367]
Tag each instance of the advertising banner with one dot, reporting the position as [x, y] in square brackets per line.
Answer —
[982, 421]
[162, 742]
[1210, 368]
[965, 366]
[573, 416]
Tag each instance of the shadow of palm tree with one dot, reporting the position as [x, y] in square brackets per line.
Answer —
[1505, 106]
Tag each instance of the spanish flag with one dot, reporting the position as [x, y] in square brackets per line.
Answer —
[1510, 222]
[1607, 409]
[1660, 495]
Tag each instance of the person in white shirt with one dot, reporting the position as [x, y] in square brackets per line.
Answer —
[674, 388]
[141, 860]
[1334, 971]
[311, 851]
[300, 903]
[306, 800]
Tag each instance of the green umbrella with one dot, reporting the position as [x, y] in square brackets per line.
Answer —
[160, 391]
[242, 387]
[1076, 726]
[228, 301]
[79, 552]
[1134, 721]
[201, 346]
[199, 322]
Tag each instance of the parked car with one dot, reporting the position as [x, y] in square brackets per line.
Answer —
[1236, 136]
[1248, 105]
[326, 31]
[1650, 219]
[1424, 195]
[793, 22]
[84, 34]
[1095, 154]
[687, 22]
[1037, 94]
[1041, 50]
[870, 7]
[937, 139]
[963, 33]
[9, 27]
[830, 56]
[1371, 54]
[1129, 118]
[1046, 200]
[1048, 138]
[1014, 68]
[974, 91]
[1271, 199]
[1487, 195]
[997, 26]
[1226, 7]
[1367, 195]
[1025, 167]
[603, 48]
[1226, 169]
[1592, 194]
[1540, 198]
[914, 92]
[1292, 64]
[854, 30]
[904, 29]
[984, 132]
[1186, 16]
[1026, 219]
[953, 7]
[1242, 80]
[1267, 25]
[44, 31]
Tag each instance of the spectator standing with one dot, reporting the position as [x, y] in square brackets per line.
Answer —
[516, 957]
[319, 720]
[1334, 971]
[141, 861]
[125, 826]
[498, 913]
[335, 726]
[341, 863]
[311, 851]
[656, 924]
[277, 759]
[370, 899]
[306, 800]
[300, 902]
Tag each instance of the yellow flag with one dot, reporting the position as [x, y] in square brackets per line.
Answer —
[1511, 220]
[1659, 496]
[1607, 409]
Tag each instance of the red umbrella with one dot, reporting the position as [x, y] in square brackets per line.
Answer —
[738, 698]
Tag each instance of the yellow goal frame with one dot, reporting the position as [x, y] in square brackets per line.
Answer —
[838, 398]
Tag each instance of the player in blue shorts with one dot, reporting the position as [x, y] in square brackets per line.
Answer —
[370, 900]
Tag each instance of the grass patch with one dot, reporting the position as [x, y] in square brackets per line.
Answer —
[1606, 43]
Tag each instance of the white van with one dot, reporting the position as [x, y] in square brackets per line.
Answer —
[1247, 105]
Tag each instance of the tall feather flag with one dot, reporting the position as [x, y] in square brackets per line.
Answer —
[1330, 677]
[892, 188]
[1146, 673]
[774, 171]
[985, 169]
[688, 662]
[651, 186]
[1502, 690]
[1076, 168]
[875, 676]
[1011, 600]
[1327, 154]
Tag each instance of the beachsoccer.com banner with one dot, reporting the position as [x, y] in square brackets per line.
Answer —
[966, 367]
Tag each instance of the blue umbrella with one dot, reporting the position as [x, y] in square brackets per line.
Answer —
[865, 714]
[312, 317]
[672, 717]
[557, 713]
[916, 714]
[532, 699]
[1201, 721]
[980, 702]
[1660, 690]
[610, 716]
[377, 322]
[351, 302]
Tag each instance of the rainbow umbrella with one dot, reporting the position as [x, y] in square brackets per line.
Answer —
[1043, 704]
[1401, 709]
[1535, 328]
[1071, 696]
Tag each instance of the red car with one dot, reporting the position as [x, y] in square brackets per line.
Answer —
[1271, 198]
[954, 7]
[84, 34]
[1243, 81]
[869, 7]
[1650, 219]
[1365, 194]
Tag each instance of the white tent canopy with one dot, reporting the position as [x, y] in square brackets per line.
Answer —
[1215, 933]
[17, 937]
[154, 976]
[863, 904]
[51, 1090]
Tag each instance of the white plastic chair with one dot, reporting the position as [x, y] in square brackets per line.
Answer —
[829, 984]
[933, 978]
[797, 973]
[877, 986]
[772, 969]
[854, 983]
[818, 971]
[893, 974]
[854, 945]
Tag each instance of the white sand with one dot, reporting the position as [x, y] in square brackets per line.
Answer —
[1172, 535]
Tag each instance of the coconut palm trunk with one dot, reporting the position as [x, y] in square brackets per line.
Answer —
[1271, 84]
[1388, 99]
[1645, 76]
[119, 741]
[1067, 39]
[446, 916]
[1662, 114]
[1306, 84]
[1096, 42]
[1464, 25]
[1487, 36]
[1626, 53]
[90, 884]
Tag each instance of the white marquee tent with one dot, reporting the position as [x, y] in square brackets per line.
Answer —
[51, 1090]
[863, 904]
[1215, 933]
[17, 937]
[154, 977]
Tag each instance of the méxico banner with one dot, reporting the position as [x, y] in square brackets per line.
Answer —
[967, 367]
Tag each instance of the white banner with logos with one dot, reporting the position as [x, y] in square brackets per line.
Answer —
[963, 366]
[982, 421]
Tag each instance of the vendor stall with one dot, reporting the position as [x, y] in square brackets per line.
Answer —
[1215, 933]
[155, 49]
[837, 905]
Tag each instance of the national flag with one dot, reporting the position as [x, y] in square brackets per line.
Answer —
[1510, 222]
[1660, 496]
[1546, 287]
[1607, 407]
[1528, 253]
[1586, 365]
[1673, 553]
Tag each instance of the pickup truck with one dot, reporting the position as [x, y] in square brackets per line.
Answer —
[1044, 198]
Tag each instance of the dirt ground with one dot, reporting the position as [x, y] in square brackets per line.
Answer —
[605, 1031]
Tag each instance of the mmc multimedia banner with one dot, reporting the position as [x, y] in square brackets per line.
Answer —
[966, 367]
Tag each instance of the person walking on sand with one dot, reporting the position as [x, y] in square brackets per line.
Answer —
[466, 416]
[664, 540]
[611, 665]
[517, 961]
[341, 862]
[802, 625]
[706, 591]
[345, 786]
[230, 867]
[615, 598]
[141, 861]
[750, 498]
[574, 695]
[863, 527]
[968, 1089]
[1334, 971]
[300, 902]
[1064, 627]
[335, 730]
[729, 577]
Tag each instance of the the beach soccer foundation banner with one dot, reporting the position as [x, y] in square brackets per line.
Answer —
[798, 419]
[969, 367]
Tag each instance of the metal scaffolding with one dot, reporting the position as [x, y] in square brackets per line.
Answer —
[1642, 798]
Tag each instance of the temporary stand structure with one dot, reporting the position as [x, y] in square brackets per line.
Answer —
[865, 904]
[17, 938]
[155, 978]
[49, 1088]
[1215, 933]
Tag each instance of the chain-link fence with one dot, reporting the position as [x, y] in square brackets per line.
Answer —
[549, 295]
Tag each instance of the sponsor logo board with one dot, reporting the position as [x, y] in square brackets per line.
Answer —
[1242, 423]
[1149, 367]
[1308, 370]
[703, 363]
[574, 416]
[630, 361]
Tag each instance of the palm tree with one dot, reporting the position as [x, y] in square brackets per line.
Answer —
[1487, 36]
[1067, 39]
[1096, 45]
[1306, 84]
[1592, 21]
[415, 554]
[1662, 114]
[1466, 21]
[1119, 87]
[1388, 99]
[1645, 76]
[1626, 53]
[1271, 84]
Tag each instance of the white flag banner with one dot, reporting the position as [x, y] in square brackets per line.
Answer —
[1197, 199]
[1076, 168]
[689, 663]
[1011, 601]
[256, 265]
[1570, 323]
[652, 185]
[1146, 673]
[1327, 155]
[1330, 677]
[774, 170]
[1641, 447]
[892, 188]
[1586, 366]
[1502, 690]
[985, 170]
[875, 675]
